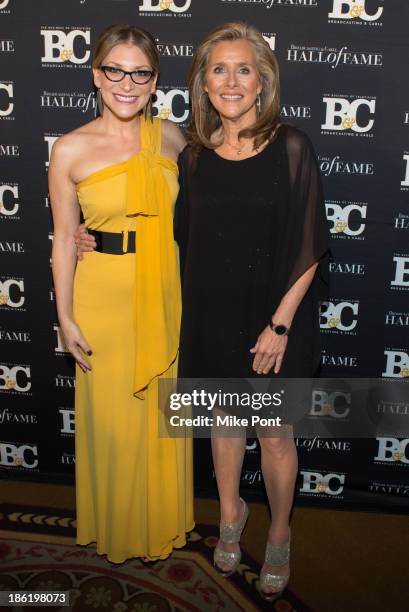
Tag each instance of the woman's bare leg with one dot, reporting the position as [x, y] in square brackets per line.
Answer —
[228, 454]
[279, 465]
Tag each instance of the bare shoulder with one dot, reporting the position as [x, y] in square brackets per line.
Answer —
[72, 146]
[172, 137]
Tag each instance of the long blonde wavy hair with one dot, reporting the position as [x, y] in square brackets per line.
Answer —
[205, 120]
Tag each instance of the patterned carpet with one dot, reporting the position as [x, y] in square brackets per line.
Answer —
[37, 552]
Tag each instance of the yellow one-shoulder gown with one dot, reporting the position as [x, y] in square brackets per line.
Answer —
[134, 488]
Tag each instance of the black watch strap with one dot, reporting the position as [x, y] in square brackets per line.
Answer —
[279, 329]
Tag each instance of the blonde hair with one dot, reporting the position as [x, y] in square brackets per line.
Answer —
[205, 120]
[126, 34]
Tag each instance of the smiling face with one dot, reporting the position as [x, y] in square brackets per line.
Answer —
[232, 81]
[125, 99]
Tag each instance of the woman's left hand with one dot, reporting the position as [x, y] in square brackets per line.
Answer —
[269, 351]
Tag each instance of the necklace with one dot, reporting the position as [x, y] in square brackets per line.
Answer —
[239, 149]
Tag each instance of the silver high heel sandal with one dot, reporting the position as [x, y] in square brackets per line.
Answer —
[230, 534]
[278, 555]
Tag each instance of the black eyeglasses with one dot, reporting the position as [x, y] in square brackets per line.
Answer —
[139, 77]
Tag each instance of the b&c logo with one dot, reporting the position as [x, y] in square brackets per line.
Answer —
[15, 378]
[9, 200]
[346, 218]
[71, 46]
[158, 6]
[316, 483]
[397, 364]
[405, 182]
[4, 4]
[341, 114]
[353, 9]
[23, 455]
[342, 316]
[271, 40]
[12, 293]
[68, 421]
[335, 404]
[60, 348]
[393, 450]
[172, 104]
[401, 279]
[7, 106]
[50, 139]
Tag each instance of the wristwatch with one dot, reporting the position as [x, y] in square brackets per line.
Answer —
[280, 330]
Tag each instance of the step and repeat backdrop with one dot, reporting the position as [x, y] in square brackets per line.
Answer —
[343, 73]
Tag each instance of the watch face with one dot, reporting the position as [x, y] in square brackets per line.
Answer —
[280, 329]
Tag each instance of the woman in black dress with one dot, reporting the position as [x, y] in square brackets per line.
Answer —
[251, 226]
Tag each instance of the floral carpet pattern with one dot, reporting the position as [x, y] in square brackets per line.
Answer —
[186, 581]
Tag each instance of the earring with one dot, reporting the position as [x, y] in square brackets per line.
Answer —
[258, 103]
[100, 104]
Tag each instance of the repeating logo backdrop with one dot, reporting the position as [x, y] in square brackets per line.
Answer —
[343, 83]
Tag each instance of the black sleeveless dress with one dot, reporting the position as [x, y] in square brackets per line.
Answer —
[247, 230]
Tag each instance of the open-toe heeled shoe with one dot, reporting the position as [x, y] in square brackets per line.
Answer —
[277, 555]
[230, 533]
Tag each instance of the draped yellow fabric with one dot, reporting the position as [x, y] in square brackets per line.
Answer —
[151, 184]
[151, 190]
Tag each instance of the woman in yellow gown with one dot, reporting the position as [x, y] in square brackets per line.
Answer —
[121, 307]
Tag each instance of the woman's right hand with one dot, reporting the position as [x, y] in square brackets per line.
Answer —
[84, 241]
[75, 343]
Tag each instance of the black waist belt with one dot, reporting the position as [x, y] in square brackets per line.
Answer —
[113, 242]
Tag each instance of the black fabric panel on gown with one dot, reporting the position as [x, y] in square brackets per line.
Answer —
[247, 230]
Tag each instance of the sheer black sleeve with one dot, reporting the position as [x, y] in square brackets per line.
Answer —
[304, 235]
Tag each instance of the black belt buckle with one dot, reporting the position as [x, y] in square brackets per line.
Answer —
[112, 242]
